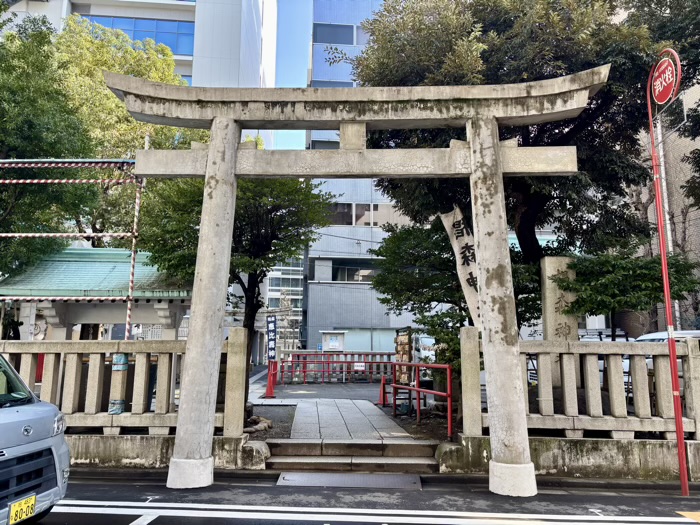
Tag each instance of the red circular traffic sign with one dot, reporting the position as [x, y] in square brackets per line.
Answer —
[663, 82]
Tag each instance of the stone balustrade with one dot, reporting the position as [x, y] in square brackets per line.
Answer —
[614, 388]
[77, 377]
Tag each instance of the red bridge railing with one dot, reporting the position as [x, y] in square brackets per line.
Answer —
[420, 391]
[341, 367]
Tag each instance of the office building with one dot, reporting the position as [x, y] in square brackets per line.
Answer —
[338, 267]
[216, 43]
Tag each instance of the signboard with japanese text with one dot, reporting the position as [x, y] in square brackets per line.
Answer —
[272, 337]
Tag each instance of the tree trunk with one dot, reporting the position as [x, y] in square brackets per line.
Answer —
[613, 326]
[252, 307]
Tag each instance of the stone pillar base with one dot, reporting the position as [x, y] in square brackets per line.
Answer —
[190, 473]
[512, 480]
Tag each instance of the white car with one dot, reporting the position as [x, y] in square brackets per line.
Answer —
[662, 337]
[34, 456]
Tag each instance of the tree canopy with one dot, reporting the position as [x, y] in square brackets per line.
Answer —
[610, 283]
[87, 49]
[37, 120]
[418, 274]
[428, 42]
[275, 220]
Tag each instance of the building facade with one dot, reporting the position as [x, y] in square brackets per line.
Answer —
[216, 43]
[338, 268]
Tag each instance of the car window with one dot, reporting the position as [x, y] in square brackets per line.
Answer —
[12, 389]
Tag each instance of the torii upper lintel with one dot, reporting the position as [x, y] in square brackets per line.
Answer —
[379, 107]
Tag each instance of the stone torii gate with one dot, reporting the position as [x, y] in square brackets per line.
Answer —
[481, 109]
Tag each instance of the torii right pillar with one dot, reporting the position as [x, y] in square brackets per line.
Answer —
[511, 472]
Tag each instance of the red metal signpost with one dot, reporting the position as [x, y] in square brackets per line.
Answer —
[663, 86]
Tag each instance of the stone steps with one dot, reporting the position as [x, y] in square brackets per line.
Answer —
[353, 447]
[419, 465]
[380, 455]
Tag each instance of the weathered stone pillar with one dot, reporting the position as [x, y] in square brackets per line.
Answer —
[234, 401]
[192, 464]
[471, 381]
[556, 325]
[511, 472]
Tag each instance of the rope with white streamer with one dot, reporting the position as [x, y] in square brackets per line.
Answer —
[132, 270]
[106, 182]
[119, 235]
[124, 164]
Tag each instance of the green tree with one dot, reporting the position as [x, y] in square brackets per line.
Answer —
[610, 283]
[418, 275]
[36, 121]
[87, 49]
[429, 42]
[275, 221]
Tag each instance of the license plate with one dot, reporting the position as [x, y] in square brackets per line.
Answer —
[22, 509]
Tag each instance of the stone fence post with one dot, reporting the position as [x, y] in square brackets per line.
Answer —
[471, 381]
[234, 397]
[691, 383]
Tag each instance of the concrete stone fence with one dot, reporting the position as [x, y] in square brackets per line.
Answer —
[77, 376]
[580, 387]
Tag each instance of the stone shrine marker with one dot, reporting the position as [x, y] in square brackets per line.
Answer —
[353, 111]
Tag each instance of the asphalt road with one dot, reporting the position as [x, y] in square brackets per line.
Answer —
[258, 501]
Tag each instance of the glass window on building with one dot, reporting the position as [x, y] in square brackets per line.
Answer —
[334, 34]
[178, 36]
[359, 272]
[325, 144]
[341, 214]
[362, 215]
[273, 302]
[330, 83]
[362, 38]
[187, 78]
[386, 214]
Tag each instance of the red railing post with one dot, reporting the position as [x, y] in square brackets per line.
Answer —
[393, 371]
[271, 369]
[449, 401]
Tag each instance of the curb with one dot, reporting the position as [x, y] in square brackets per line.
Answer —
[474, 480]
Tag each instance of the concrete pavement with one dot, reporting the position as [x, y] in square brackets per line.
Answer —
[343, 419]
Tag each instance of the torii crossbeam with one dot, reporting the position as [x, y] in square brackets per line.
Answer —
[481, 109]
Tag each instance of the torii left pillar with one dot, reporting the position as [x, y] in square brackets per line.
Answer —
[192, 463]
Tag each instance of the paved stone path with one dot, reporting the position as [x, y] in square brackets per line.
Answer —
[343, 419]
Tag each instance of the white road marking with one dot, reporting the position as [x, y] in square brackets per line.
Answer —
[333, 514]
[300, 516]
[596, 511]
[145, 519]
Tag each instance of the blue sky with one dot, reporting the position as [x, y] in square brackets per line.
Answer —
[294, 26]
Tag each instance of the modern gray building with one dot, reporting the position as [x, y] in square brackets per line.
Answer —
[338, 268]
